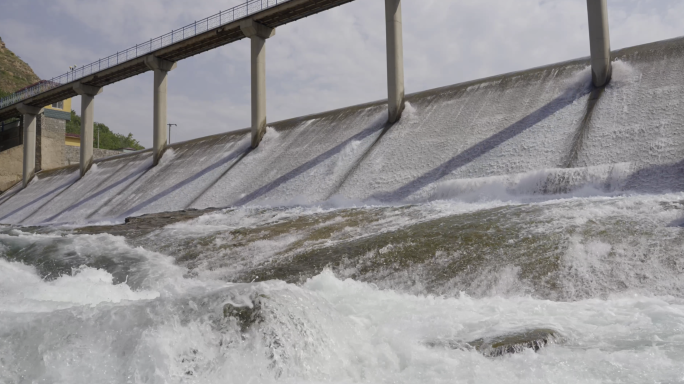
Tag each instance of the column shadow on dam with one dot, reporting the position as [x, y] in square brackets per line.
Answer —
[133, 176]
[469, 155]
[8, 194]
[312, 163]
[59, 188]
[119, 169]
[238, 154]
[583, 129]
[483, 147]
[657, 179]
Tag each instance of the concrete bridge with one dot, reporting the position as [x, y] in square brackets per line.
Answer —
[256, 20]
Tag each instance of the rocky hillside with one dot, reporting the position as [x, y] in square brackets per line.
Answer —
[14, 73]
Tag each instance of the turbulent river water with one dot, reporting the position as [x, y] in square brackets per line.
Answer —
[522, 228]
[369, 294]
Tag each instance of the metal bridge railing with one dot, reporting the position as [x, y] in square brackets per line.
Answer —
[224, 17]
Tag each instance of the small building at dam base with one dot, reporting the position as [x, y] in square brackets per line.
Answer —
[54, 147]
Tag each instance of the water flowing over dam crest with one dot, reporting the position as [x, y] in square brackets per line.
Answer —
[524, 131]
[522, 228]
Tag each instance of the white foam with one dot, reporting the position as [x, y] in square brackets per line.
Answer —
[165, 325]
[342, 331]
[167, 157]
[546, 184]
[22, 290]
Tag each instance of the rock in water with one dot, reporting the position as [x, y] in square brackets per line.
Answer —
[534, 339]
[246, 316]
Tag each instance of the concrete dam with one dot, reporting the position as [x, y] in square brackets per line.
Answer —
[535, 132]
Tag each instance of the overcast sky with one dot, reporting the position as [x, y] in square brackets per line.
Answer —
[327, 61]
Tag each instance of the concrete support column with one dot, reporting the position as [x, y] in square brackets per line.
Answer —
[395, 59]
[258, 33]
[30, 117]
[599, 41]
[161, 69]
[88, 94]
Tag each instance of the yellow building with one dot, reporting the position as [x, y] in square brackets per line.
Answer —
[64, 106]
[73, 140]
[60, 110]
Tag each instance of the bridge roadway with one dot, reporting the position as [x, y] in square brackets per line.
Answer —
[273, 17]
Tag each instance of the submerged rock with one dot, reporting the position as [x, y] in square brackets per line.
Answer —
[534, 339]
[246, 315]
[137, 226]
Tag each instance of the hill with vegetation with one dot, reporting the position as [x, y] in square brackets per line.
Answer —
[15, 74]
[107, 139]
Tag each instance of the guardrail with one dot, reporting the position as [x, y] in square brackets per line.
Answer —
[224, 17]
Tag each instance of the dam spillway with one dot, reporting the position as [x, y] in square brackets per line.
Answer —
[497, 127]
[502, 127]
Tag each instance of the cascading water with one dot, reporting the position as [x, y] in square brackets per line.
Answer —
[514, 229]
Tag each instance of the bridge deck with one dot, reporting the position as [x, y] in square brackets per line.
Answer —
[224, 34]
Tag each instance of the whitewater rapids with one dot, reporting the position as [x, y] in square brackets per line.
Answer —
[353, 295]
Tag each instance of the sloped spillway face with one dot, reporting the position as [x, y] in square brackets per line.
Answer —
[538, 120]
